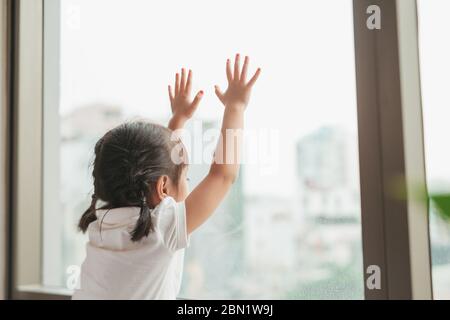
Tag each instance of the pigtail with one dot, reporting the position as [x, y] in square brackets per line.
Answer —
[88, 216]
[144, 224]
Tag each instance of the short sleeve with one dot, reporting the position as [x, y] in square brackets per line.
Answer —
[172, 224]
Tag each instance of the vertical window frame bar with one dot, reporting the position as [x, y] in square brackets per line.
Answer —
[27, 141]
[389, 107]
[6, 72]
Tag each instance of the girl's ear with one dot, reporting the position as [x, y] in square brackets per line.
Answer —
[162, 186]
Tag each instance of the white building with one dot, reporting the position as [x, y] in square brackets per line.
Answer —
[328, 175]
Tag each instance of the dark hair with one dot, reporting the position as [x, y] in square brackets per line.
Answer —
[128, 160]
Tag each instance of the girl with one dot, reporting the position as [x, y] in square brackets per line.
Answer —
[138, 236]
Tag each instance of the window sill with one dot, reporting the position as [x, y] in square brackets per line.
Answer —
[39, 292]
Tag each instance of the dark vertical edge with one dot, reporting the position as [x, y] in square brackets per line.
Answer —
[382, 158]
[12, 7]
[393, 157]
[370, 150]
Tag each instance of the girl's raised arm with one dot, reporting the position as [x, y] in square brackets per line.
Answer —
[206, 197]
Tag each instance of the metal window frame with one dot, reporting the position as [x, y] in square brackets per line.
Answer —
[5, 101]
[391, 148]
[26, 164]
[394, 230]
[26, 217]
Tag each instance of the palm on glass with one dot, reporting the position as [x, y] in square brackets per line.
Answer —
[239, 89]
[183, 107]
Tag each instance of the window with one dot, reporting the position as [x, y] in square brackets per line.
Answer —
[435, 69]
[290, 228]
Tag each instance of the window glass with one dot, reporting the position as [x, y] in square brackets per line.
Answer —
[435, 71]
[290, 228]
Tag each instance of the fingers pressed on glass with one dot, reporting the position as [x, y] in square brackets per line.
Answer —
[244, 69]
[254, 78]
[189, 83]
[177, 84]
[229, 72]
[237, 64]
[197, 100]
[183, 81]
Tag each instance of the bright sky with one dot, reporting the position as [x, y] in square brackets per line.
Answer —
[435, 72]
[126, 53]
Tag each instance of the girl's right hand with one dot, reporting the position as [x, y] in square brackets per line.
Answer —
[239, 90]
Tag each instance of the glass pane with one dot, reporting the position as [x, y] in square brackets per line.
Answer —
[290, 228]
[435, 71]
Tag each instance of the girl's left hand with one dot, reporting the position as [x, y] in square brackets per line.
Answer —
[183, 107]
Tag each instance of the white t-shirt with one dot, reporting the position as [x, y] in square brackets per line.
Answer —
[117, 268]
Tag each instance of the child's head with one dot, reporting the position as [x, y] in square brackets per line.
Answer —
[133, 167]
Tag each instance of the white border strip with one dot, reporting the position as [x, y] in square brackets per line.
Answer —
[414, 149]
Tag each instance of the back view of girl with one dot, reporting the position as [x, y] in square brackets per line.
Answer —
[141, 215]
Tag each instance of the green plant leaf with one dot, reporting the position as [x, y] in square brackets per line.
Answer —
[442, 204]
